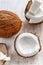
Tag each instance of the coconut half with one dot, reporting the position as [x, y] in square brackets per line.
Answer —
[27, 45]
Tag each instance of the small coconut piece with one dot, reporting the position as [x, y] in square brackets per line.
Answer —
[27, 45]
[3, 49]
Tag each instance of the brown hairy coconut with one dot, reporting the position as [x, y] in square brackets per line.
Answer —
[10, 23]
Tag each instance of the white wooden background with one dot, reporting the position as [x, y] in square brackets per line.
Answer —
[18, 6]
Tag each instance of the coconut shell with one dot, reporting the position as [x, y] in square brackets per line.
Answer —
[3, 49]
[27, 9]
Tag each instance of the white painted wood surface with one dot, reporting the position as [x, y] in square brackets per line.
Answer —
[18, 6]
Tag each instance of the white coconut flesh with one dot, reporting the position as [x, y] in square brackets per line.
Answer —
[35, 6]
[4, 57]
[35, 18]
[27, 44]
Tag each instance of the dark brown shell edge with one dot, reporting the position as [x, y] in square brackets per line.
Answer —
[27, 9]
[27, 56]
[6, 49]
